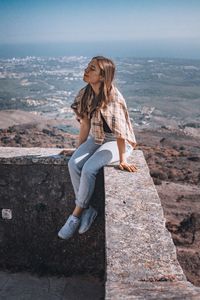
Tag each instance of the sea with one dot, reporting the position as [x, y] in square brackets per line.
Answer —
[158, 91]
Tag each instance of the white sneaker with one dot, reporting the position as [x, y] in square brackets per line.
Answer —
[87, 218]
[69, 227]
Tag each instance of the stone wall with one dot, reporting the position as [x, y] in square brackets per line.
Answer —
[36, 189]
[128, 241]
[141, 261]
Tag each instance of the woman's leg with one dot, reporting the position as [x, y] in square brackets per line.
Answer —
[76, 162]
[84, 183]
[78, 159]
[105, 154]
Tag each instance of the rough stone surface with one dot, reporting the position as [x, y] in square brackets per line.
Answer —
[141, 258]
[38, 191]
[24, 286]
[36, 155]
[179, 290]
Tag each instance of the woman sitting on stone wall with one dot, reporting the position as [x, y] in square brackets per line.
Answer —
[106, 136]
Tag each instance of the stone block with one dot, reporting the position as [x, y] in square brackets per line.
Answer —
[36, 189]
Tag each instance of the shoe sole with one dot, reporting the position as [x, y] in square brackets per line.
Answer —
[91, 221]
[62, 237]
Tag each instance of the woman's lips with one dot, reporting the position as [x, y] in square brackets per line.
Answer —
[85, 78]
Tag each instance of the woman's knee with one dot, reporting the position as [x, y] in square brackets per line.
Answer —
[89, 170]
[72, 165]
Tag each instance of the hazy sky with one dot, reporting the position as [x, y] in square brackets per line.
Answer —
[24, 21]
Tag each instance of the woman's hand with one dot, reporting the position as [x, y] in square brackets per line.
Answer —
[122, 157]
[66, 152]
[125, 166]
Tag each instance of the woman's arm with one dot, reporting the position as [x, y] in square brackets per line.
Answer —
[85, 125]
[123, 165]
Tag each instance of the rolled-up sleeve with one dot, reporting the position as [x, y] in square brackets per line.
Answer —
[117, 118]
[76, 105]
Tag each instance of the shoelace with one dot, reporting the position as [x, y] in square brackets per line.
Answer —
[73, 223]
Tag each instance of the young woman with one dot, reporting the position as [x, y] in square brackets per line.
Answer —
[106, 136]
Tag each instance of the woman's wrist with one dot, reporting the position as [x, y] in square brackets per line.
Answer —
[123, 161]
[122, 158]
[121, 148]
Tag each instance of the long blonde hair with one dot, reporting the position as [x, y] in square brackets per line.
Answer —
[107, 71]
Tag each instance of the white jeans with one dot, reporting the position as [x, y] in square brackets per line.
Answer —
[85, 163]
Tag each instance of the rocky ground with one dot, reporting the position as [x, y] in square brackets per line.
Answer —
[173, 156]
[174, 161]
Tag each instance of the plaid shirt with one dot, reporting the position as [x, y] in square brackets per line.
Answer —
[115, 114]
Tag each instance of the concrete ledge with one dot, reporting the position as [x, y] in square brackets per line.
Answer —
[140, 253]
[25, 156]
[177, 290]
[36, 188]
[23, 285]
[131, 242]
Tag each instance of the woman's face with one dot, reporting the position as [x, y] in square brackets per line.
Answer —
[92, 73]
